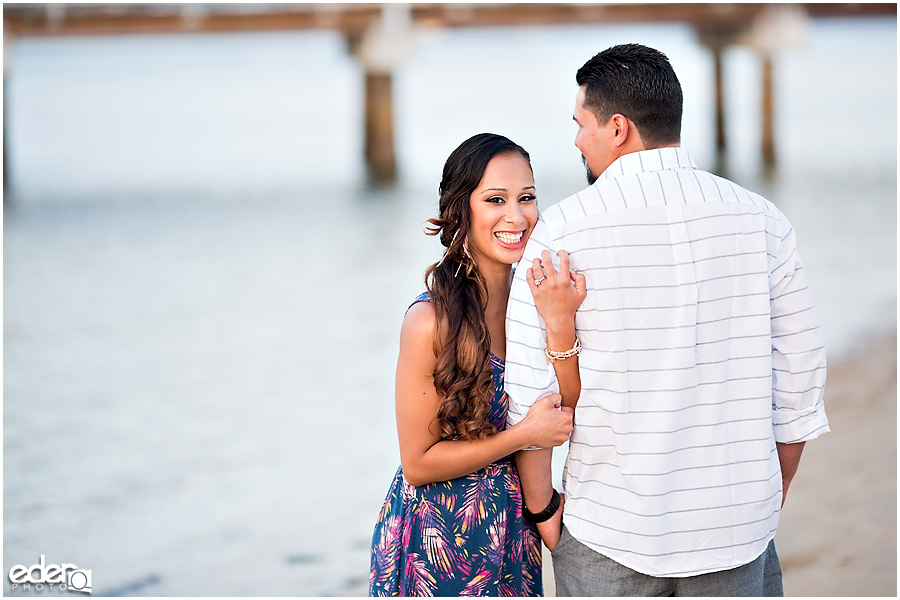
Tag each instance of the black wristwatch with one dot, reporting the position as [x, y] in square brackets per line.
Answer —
[544, 514]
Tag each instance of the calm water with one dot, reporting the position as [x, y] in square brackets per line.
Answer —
[202, 298]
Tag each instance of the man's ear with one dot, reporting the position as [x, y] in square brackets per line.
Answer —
[621, 126]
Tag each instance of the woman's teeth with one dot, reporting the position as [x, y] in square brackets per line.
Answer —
[509, 238]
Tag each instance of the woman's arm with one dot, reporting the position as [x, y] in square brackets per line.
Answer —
[557, 298]
[424, 456]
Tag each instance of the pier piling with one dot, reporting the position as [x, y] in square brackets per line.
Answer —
[379, 128]
[719, 98]
[768, 112]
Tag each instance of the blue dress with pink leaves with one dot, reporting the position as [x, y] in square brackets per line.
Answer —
[463, 537]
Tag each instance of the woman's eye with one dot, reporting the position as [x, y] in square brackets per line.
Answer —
[496, 199]
[527, 198]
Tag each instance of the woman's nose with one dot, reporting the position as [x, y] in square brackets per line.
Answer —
[514, 214]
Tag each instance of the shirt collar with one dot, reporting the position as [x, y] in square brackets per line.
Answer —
[647, 161]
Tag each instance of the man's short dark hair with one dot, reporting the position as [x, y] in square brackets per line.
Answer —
[639, 83]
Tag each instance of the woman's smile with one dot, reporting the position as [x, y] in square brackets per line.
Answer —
[512, 240]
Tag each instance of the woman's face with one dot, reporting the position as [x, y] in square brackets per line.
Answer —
[503, 211]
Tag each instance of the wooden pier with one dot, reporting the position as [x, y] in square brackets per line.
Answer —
[375, 31]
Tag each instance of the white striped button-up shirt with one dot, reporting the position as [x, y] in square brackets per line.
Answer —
[702, 349]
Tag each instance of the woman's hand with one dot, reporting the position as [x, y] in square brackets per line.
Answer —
[557, 295]
[551, 529]
[547, 424]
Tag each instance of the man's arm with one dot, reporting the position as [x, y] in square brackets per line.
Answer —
[528, 377]
[798, 361]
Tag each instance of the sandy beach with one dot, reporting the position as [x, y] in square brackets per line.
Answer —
[838, 530]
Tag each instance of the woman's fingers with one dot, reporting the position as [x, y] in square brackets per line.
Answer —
[564, 264]
[555, 399]
[579, 281]
[537, 269]
[543, 272]
[547, 263]
[532, 280]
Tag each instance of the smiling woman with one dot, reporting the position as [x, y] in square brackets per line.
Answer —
[502, 216]
[452, 523]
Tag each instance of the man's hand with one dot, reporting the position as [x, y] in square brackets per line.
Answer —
[789, 458]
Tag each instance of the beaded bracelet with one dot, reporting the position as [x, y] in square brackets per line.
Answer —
[555, 356]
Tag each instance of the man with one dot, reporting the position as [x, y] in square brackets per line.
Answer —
[702, 363]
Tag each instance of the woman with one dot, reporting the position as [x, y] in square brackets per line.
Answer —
[452, 522]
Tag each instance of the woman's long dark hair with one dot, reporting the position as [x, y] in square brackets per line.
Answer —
[462, 344]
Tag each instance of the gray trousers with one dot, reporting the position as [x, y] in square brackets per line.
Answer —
[581, 571]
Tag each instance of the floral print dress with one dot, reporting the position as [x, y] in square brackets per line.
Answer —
[463, 537]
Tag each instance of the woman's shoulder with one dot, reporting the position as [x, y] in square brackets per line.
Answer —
[423, 297]
[420, 313]
[421, 308]
[418, 328]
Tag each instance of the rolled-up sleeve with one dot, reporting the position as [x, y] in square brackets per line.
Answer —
[798, 350]
[529, 375]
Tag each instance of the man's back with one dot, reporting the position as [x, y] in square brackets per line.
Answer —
[701, 350]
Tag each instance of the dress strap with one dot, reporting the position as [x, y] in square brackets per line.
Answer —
[423, 297]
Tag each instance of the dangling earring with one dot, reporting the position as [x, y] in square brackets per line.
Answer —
[468, 255]
[440, 262]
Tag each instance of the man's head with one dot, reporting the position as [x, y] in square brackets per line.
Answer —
[629, 99]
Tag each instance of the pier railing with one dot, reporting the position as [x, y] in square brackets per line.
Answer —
[377, 33]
